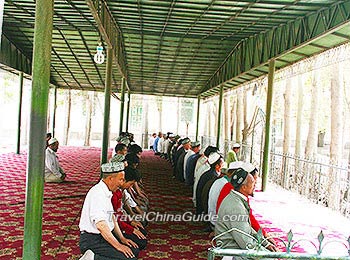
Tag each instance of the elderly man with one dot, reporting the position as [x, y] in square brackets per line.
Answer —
[234, 213]
[100, 235]
[53, 171]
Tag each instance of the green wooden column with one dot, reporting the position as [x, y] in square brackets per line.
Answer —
[107, 106]
[269, 99]
[219, 116]
[19, 120]
[37, 132]
[122, 100]
[127, 112]
[2, 2]
[54, 112]
[198, 109]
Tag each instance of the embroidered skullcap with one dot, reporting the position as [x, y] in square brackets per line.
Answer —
[117, 158]
[124, 140]
[236, 165]
[236, 145]
[112, 167]
[185, 140]
[52, 141]
[213, 157]
[238, 178]
[195, 144]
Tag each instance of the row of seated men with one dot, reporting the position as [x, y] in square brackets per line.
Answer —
[220, 189]
[109, 227]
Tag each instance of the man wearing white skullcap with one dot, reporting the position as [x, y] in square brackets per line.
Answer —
[53, 170]
[100, 235]
[232, 155]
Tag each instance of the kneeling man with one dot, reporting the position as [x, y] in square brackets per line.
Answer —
[100, 235]
[53, 170]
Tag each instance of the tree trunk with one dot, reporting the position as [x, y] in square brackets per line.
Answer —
[298, 140]
[145, 140]
[308, 188]
[210, 120]
[233, 116]
[311, 141]
[226, 125]
[286, 129]
[68, 105]
[245, 131]
[336, 136]
[239, 116]
[88, 103]
[214, 115]
[206, 125]
[160, 112]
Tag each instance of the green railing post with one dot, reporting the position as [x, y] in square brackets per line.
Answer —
[198, 109]
[266, 157]
[108, 83]
[122, 99]
[127, 112]
[219, 116]
[18, 148]
[54, 112]
[38, 118]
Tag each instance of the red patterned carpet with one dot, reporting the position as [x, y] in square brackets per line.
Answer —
[63, 202]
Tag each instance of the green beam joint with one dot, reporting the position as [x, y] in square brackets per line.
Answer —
[38, 119]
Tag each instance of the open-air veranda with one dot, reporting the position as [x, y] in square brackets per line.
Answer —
[317, 23]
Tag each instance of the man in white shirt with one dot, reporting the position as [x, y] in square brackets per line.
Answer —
[100, 235]
[53, 170]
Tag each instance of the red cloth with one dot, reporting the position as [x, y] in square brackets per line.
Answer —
[117, 206]
[223, 193]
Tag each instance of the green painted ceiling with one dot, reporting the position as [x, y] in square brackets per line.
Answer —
[177, 47]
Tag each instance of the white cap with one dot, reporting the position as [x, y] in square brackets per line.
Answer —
[213, 157]
[52, 141]
[112, 167]
[236, 145]
[235, 165]
[248, 167]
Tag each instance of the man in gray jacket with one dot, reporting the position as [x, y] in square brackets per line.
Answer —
[234, 213]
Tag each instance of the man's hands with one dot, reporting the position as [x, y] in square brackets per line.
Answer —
[136, 224]
[139, 234]
[125, 250]
[128, 242]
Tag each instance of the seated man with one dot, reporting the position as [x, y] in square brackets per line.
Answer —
[100, 235]
[53, 171]
[234, 213]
